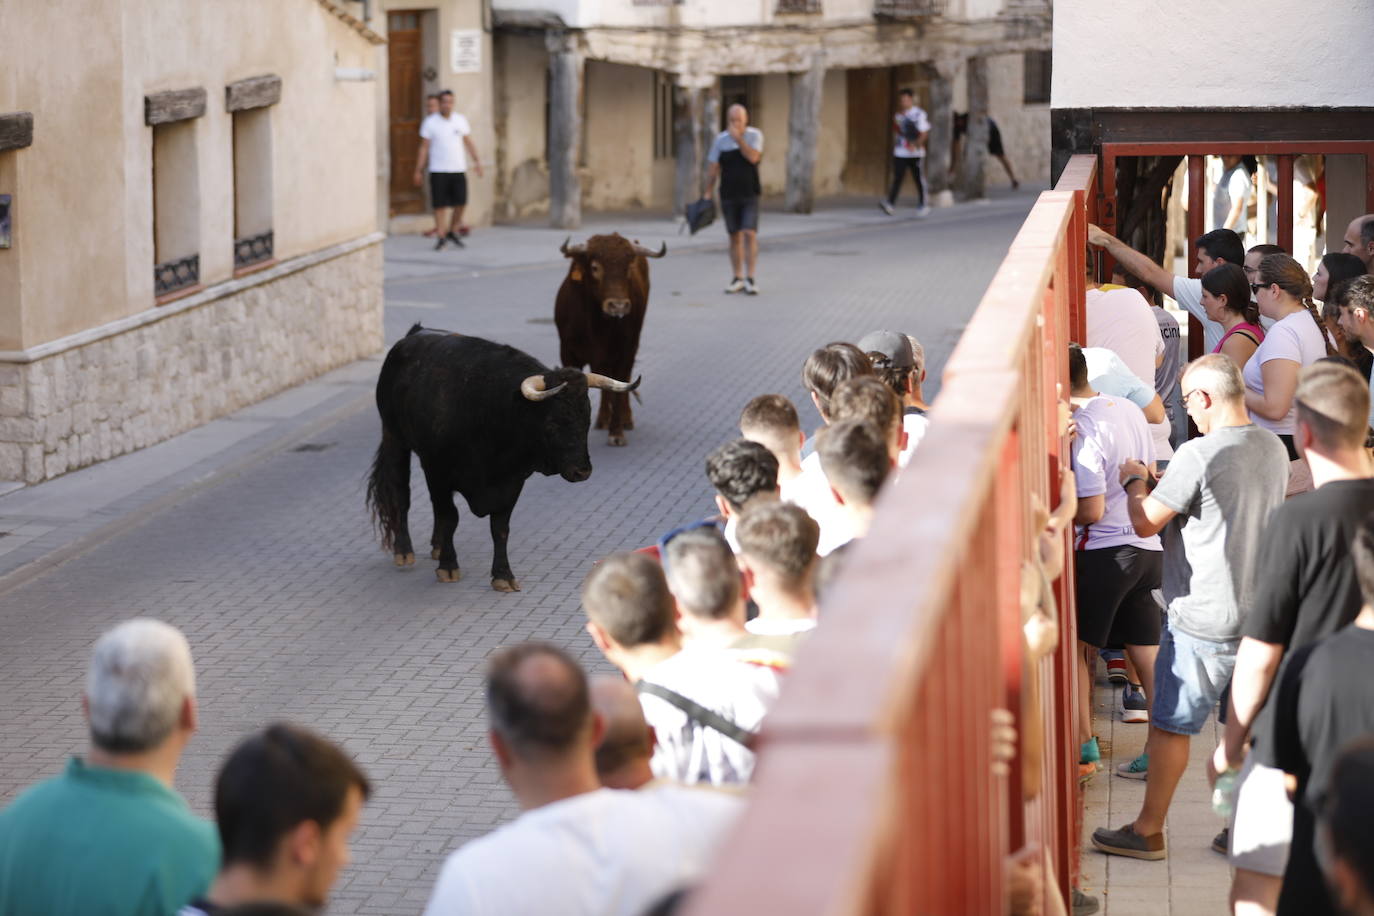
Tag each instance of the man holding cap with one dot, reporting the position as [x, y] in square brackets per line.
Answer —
[895, 363]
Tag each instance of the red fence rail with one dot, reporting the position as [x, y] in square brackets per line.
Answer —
[877, 788]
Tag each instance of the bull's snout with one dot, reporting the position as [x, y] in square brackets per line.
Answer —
[616, 308]
[577, 474]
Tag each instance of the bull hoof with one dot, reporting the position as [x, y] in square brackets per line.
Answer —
[614, 439]
[434, 553]
[448, 575]
[405, 559]
[505, 585]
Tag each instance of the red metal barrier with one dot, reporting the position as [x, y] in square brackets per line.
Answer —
[876, 789]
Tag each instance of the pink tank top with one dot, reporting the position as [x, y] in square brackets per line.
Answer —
[1243, 326]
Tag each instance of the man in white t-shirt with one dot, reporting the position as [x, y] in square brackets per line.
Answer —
[822, 373]
[1114, 568]
[576, 848]
[445, 145]
[1220, 246]
[857, 459]
[778, 556]
[704, 705]
[1231, 198]
[771, 420]
[740, 470]
[910, 128]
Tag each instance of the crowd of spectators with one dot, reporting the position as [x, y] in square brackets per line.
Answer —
[1232, 571]
[626, 784]
[1238, 574]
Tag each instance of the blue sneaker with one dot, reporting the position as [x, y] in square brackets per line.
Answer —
[1138, 768]
[1133, 706]
[1089, 752]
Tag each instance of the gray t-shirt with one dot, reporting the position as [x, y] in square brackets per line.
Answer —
[1223, 486]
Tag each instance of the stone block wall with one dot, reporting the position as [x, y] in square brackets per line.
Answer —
[123, 392]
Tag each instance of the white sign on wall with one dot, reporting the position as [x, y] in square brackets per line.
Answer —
[465, 50]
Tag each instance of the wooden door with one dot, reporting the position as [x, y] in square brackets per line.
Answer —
[869, 145]
[407, 109]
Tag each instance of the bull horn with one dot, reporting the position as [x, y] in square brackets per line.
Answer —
[649, 252]
[569, 251]
[533, 388]
[610, 384]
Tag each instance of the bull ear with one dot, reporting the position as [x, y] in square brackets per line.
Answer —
[576, 273]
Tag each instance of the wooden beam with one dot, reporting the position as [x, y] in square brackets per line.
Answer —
[1153, 125]
[16, 129]
[173, 105]
[254, 92]
[1197, 211]
[1285, 208]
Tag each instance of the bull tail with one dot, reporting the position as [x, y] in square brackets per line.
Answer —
[388, 490]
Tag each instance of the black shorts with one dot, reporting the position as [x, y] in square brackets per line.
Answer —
[448, 189]
[740, 213]
[995, 141]
[1115, 607]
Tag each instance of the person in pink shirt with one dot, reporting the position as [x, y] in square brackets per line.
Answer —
[1226, 297]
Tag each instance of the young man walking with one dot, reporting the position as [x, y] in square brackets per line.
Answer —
[910, 128]
[445, 144]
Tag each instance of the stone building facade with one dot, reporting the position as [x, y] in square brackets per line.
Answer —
[612, 104]
[191, 193]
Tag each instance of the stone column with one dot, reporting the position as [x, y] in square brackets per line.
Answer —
[940, 143]
[803, 127]
[708, 127]
[565, 129]
[974, 167]
[692, 136]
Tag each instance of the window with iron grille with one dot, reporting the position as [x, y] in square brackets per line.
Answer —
[176, 207]
[907, 9]
[799, 6]
[1036, 89]
[252, 186]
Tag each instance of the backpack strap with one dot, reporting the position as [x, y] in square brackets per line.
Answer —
[700, 714]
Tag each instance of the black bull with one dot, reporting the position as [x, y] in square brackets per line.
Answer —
[599, 313]
[482, 417]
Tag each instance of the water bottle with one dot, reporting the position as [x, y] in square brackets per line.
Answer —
[1224, 794]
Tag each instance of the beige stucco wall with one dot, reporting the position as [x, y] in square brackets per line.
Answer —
[92, 153]
[1025, 128]
[522, 93]
[619, 160]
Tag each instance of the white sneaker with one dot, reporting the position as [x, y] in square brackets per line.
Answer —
[751, 287]
[736, 286]
[885, 207]
[922, 212]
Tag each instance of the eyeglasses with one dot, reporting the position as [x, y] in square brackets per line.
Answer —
[1256, 287]
[694, 526]
[1189, 394]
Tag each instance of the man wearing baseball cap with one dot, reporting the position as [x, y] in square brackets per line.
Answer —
[895, 363]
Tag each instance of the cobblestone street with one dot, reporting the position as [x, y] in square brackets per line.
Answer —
[271, 567]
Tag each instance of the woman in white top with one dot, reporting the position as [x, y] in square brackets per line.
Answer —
[1284, 293]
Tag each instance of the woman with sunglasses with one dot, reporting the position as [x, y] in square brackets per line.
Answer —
[1226, 299]
[1284, 294]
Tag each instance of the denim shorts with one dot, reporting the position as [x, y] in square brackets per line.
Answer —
[1191, 677]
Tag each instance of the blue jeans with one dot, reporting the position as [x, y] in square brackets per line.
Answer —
[1191, 677]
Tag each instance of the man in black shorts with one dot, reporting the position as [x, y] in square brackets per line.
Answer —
[446, 144]
[995, 148]
[734, 159]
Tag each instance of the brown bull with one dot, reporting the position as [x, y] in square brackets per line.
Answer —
[600, 312]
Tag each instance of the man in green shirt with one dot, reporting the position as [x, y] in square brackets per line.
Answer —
[110, 835]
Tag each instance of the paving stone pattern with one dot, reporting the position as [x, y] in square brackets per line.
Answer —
[293, 611]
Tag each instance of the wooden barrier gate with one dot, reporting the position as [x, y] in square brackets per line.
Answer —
[876, 789]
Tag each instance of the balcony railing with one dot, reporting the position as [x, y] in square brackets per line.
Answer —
[878, 787]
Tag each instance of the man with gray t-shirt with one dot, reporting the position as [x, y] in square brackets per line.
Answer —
[1221, 488]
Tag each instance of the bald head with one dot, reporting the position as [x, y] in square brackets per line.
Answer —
[737, 116]
[622, 757]
[537, 701]
[1359, 239]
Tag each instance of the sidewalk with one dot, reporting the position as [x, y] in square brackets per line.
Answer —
[45, 524]
[1193, 880]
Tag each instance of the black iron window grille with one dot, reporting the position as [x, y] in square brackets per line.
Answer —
[799, 6]
[253, 250]
[907, 9]
[176, 275]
